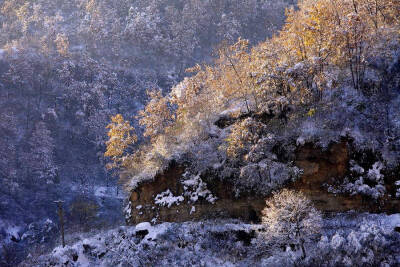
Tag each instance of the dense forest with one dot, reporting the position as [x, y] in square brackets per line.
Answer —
[99, 99]
[66, 67]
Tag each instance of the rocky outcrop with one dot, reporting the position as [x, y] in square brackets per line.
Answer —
[143, 207]
[328, 167]
[319, 168]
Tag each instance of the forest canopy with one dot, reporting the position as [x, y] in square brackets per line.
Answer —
[324, 45]
[66, 67]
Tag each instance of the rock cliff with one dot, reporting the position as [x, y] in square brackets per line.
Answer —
[320, 167]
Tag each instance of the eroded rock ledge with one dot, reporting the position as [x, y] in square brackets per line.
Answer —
[319, 168]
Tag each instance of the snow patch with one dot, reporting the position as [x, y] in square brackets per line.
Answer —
[166, 198]
[13, 232]
[193, 209]
[195, 188]
[374, 174]
[109, 192]
[128, 211]
[398, 188]
[143, 226]
[356, 168]
[300, 141]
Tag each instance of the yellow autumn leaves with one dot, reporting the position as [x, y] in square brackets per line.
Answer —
[121, 135]
[324, 44]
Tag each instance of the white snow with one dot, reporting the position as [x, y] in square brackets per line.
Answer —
[398, 188]
[154, 231]
[100, 191]
[193, 209]
[13, 232]
[374, 174]
[143, 226]
[157, 230]
[128, 210]
[390, 221]
[166, 198]
[195, 188]
[108, 192]
[179, 90]
[235, 108]
[356, 168]
[337, 241]
[80, 113]
[300, 141]
[52, 112]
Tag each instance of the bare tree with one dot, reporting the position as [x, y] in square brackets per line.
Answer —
[291, 219]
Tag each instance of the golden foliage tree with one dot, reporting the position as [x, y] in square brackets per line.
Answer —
[121, 136]
[243, 134]
[340, 34]
[324, 43]
[157, 115]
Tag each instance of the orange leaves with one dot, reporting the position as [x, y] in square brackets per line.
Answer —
[121, 135]
[157, 115]
[340, 33]
[324, 43]
[62, 44]
[243, 134]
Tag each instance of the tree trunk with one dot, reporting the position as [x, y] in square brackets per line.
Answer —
[303, 250]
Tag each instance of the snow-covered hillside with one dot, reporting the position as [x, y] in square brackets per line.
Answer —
[347, 240]
[210, 115]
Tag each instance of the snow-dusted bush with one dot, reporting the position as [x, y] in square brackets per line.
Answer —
[290, 218]
[356, 168]
[40, 232]
[372, 176]
[347, 240]
[369, 245]
[265, 176]
[262, 149]
[169, 244]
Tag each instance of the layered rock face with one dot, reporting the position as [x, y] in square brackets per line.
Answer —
[319, 168]
[326, 167]
[143, 207]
